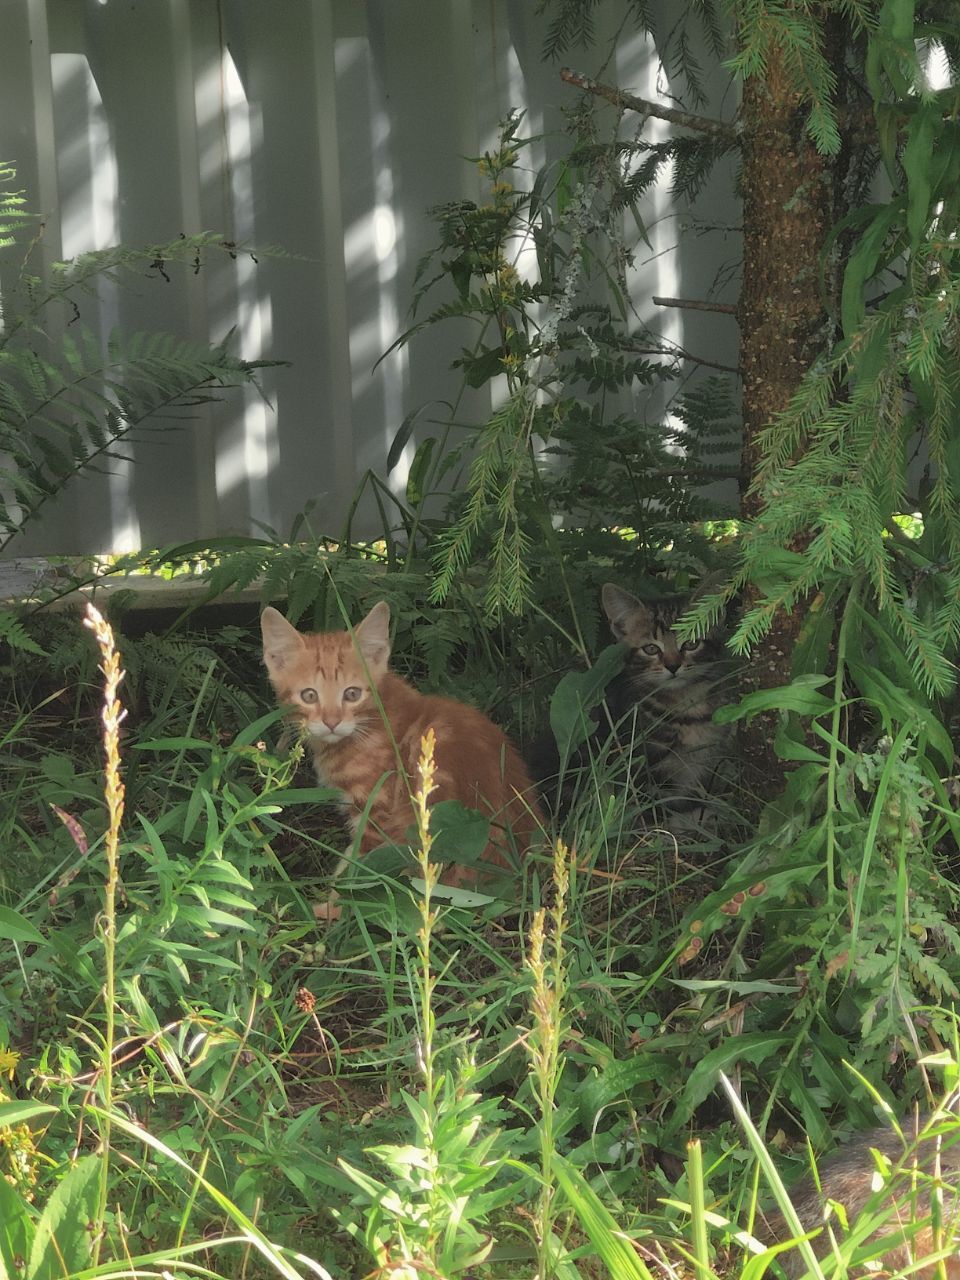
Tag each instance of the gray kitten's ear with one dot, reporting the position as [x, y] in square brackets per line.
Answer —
[373, 635]
[620, 607]
[282, 642]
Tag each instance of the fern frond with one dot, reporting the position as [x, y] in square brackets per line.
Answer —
[13, 633]
[57, 422]
[14, 215]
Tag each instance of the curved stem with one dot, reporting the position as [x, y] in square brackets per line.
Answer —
[833, 759]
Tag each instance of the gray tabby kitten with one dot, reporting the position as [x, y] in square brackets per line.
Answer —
[851, 1179]
[671, 690]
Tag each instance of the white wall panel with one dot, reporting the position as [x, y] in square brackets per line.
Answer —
[325, 127]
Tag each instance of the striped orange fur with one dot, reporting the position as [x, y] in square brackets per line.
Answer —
[364, 725]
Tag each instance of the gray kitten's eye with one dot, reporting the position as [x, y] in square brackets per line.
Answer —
[309, 695]
[651, 649]
[353, 694]
[690, 645]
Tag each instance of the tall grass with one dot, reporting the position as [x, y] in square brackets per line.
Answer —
[472, 1083]
[74, 1231]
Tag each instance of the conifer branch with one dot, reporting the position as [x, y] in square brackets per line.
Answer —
[630, 102]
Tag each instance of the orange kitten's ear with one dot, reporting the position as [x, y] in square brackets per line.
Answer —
[373, 635]
[619, 606]
[282, 642]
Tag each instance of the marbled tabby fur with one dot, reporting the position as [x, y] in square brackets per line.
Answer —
[661, 706]
[848, 1179]
[674, 689]
[353, 748]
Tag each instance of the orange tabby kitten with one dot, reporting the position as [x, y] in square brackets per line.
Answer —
[328, 679]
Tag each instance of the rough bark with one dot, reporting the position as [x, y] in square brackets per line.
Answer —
[787, 190]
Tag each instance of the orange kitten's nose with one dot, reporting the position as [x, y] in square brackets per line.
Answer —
[331, 721]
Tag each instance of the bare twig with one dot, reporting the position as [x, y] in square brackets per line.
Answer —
[690, 304]
[693, 473]
[680, 353]
[629, 102]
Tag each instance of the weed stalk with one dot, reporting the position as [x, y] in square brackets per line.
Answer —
[428, 918]
[111, 716]
[546, 965]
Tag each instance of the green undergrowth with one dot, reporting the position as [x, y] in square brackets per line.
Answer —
[504, 1083]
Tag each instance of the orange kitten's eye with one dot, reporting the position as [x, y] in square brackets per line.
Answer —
[353, 694]
[690, 646]
[309, 695]
[651, 649]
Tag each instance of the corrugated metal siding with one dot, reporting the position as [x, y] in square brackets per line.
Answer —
[324, 127]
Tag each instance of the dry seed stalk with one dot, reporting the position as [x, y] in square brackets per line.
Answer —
[545, 962]
[426, 771]
[112, 715]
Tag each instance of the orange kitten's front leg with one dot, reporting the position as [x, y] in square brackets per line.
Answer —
[386, 822]
[328, 911]
[361, 843]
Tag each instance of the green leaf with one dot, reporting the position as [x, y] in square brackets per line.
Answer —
[459, 834]
[63, 1241]
[753, 1047]
[18, 929]
[800, 696]
[275, 1258]
[404, 432]
[373, 1187]
[253, 732]
[789, 747]
[479, 368]
[419, 467]
[862, 264]
[287, 796]
[615, 1248]
[736, 988]
[577, 694]
[20, 1112]
[893, 700]
[16, 1233]
[616, 1080]
[750, 893]
[917, 152]
[212, 919]
[12, 631]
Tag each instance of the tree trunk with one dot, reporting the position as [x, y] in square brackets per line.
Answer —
[787, 190]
